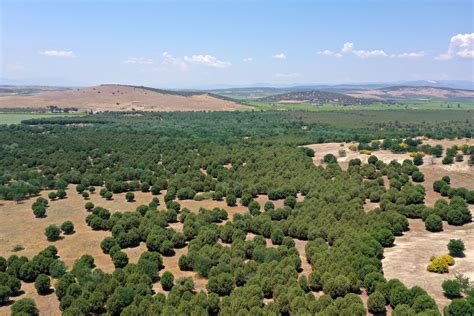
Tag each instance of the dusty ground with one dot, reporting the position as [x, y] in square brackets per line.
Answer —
[408, 259]
[117, 98]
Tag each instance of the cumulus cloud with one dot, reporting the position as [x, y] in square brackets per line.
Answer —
[169, 59]
[348, 49]
[279, 56]
[207, 60]
[139, 61]
[58, 53]
[248, 59]
[460, 46]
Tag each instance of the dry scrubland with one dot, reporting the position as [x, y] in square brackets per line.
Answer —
[408, 259]
[20, 227]
[117, 98]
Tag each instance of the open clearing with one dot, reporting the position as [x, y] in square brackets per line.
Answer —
[17, 117]
[408, 259]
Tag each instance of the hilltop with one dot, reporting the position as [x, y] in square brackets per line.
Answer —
[413, 93]
[114, 97]
[316, 97]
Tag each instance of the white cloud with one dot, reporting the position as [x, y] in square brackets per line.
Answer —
[349, 48]
[411, 55]
[288, 76]
[207, 60]
[169, 59]
[326, 52]
[139, 61]
[248, 59]
[58, 53]
[279, 56]
[461, 46]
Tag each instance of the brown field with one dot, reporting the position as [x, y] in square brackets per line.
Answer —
[408, 259]
[117, 98]
[411, 92]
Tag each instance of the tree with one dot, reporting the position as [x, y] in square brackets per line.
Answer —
[269, 205]
[120, 259]
[452, 288]
[338, 286]
[107, 244]
[42, 284]
[130, 197]
[108, 195]
[167, 281]
[434, 223]
[330, 158]
[231, 200]
[221, 284]
[456, 247]
[424, 303]
[155, 189]
[24, 306]
[52, 232]
[376, 302]
[85, 195]
[277, 236]
[458, 307]
[290, 201]
[5, 293]
[52, 196]
[67, 227]
[38, 210]
[89, 206]
[61, 194]
[417, 176]
[254, 208]
[372, 160]
[418, 160]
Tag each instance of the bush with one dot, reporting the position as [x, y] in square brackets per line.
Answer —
[89, 206]
[52, 196]
[277, 236]
[290, 201]
[254, 208]
[269, 205]
[67, 227]
[120, 259]
[167, 281]
[5, 293]
[330, 158]
[434, 223]
[52, 232]
[424, 303]
[221, 284]
[107, 244]
[438, 265]
[448, 259]
[417, 176]
[24, 306]
[61, 194]
[39, 210]
[42, 284]
[458, 307]
[108, 195]
[85, 195]
[130, 197]
[231, 200]
[456, 247]
[452, 288]
[418, 160]
[376, 302]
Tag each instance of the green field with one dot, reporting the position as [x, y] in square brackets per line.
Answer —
[318, 108]
[17, 117]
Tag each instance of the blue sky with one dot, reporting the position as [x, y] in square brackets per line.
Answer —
[186, 44]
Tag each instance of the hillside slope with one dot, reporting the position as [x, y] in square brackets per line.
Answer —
[316, 97]
[113, 97]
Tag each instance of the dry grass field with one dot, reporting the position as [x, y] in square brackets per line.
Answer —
[117, 98]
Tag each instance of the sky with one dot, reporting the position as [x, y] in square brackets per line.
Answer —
[198, 44]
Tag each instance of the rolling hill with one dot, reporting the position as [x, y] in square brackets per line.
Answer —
[407, 93]
[317, 97]
[113, 97]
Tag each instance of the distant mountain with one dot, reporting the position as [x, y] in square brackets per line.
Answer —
[317, 97]
[414, 93]
[113, 97]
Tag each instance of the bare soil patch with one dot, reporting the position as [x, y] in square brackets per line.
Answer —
[408, 259]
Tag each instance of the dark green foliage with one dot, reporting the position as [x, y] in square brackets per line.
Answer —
[129, 196]
[231, 200]
[456, 247]
[67, 227]
[52, 232]
[24, 306]
[417, 176]
[452, 288]
[434, 223]
[42, 284]
[221, 284]
[167, 281]
[330, 158]
[120, 259]
[376, 302]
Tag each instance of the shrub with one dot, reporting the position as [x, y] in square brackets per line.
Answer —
[452, 288]
[458, 307]
[5, 293]
[61, 194]
[108, 195]
[277, 236]
[434, 223]
[418, 160]
[52, 232]
[52, 196]
[269, 205]
[85, 195]
[42, 284]
[130, 197]
[448, 259]
[120, 259]
[330, 158]
[376, 302]
[24, 306]
[167, 281]
[89, 206]
[456, 247]
[438, 265]
[290, 201]
[254, 208]
[107, 244]
[417, 176]
[424, 303]
[67, 227]
[39, 210]
[231, 200]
